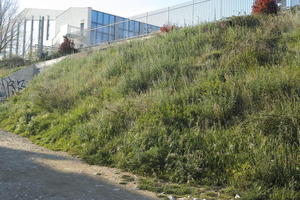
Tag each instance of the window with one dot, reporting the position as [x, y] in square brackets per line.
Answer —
[137, 27]
[94, 25]
[131, 26]
[105, 37]
[81, 28]
[93, 37]
[94, 16]
[100, 18]
[112, 19]
[98, 37]
[106, 19]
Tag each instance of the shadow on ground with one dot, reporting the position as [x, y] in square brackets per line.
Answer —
[22, 178]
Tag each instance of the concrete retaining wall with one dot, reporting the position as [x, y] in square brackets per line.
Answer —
[17, 81]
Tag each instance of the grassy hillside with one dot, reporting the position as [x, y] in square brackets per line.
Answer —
[216, 105]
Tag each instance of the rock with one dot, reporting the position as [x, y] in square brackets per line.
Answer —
[171, 197]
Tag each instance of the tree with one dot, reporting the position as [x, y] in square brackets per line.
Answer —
[8, 22]
[67, 47]
[265, 7]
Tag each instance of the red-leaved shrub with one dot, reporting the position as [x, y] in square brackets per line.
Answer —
[167, 28]
[67, 47]
[265, 7]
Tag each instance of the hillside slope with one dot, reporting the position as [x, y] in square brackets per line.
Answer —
[217, 104]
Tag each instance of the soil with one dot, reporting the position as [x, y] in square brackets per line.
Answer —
[30, 172]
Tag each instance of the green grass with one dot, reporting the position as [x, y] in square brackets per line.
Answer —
[215, 105]
[7, 71]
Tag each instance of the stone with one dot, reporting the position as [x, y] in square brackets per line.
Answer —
[171, 197]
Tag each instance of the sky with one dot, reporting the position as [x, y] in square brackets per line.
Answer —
[124, 8]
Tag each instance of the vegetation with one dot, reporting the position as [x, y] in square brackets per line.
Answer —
[215, 105]
[67, 47]
[10, 65]
[265, 7]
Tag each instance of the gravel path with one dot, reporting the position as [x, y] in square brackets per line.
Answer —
[30, 172]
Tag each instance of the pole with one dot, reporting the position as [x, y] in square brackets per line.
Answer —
[147, 22]
[31, 35]
[193, 13]
[17, 39]
[48, 28]
[24, 38]
[128, 26]
[168, 15]
[11, 41]
[41, 36]
[221, 9]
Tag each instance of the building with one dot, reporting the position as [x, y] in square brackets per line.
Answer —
[43, 29]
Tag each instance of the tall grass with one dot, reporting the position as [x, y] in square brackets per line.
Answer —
[217, 104]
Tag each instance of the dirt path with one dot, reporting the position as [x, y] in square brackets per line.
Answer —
[30, 172]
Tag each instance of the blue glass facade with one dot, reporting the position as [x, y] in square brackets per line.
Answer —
[121, 29]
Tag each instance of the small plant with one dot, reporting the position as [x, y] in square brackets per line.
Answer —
[168, 28]
[67, 47]
[265, 7]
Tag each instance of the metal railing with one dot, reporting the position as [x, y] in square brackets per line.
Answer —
[186, 14]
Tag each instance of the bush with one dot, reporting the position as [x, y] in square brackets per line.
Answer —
[67, 47]
[14, 61]
[168, 28]
[265, 7]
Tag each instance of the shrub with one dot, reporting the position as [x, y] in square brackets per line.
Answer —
[265, 7]
[168, 28]
[14, 61]
[67, 47]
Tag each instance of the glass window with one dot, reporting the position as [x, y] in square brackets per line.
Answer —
[106, 19]
[94, 16]
[137, 27]
[131, 26]
[112, 30]
[98, 37]
[112, 19]
[93, 37]
[94, 25]
[105, 29]
[100, 18]
[105, 37]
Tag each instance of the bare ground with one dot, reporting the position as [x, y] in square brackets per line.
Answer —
[30, 172]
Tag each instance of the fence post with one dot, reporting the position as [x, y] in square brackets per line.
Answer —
[17, 39]
[41, 36]
[221, 9]
[31, 35]
[48, 27]
[147, 22]
[24, 38]
[193, 13]
[168, 15]
[11, 41]
[128, 25]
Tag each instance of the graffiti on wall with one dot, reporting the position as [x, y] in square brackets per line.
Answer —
[11, 86]
[17, 81]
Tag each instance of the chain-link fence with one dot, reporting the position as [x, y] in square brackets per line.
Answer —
[187, 14]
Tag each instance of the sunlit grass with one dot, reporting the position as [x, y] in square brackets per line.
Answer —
[217, 104]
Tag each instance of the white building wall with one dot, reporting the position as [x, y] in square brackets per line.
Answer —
[73, 17]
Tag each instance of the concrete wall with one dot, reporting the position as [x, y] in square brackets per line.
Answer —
[17, 81]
